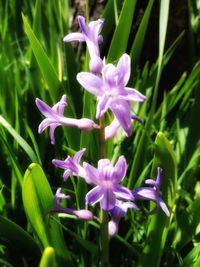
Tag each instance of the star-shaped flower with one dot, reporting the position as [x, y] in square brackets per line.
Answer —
[71, 165]
[112, 93]
[106, 178]
[55, 117]
[91, 35]
[152, 193]
[82, 214]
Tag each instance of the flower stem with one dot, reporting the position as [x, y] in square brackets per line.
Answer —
[104, 239]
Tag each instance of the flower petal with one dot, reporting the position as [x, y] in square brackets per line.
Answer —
[60, 163]
[156, 182]
[131, 94]
[109, 74]
[102, 106]
[60, 106]
[51, 132]
[96, 27]
[44, 124]
[91, 83]
[123, 193]
[121, 109]
[103, 163]
[83, 214]
[124, 69]
[78, 155]
[95, 195]
[92, 175]
[119, 169]
[45, 109]
[113, 228]
[66, 174]
[108, 201]
[96, 64]
[164, 207]
[111, 130]
[82, 25]
[146, 193]
[75, 36]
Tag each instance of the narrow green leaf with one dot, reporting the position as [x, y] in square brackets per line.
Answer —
[51, 78]
[144, 136]
[38, 201]
[109, 14]
[48, 258]
[188, 225]
[159, 224]
[163, 20]
[192, 257]
[37, 18]
[197, 262]
[25, 146]
[73, 87]
[137, 45]
[121, 35]
[43, 61]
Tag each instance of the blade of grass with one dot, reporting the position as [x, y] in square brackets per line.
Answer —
[164, 9]
[159, 224]
[43, 61]
[122, 31]
[24, 145]
[137, 45]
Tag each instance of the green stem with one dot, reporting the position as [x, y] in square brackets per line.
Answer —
[104, 241]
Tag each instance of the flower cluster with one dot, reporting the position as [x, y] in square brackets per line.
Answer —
[108, 83]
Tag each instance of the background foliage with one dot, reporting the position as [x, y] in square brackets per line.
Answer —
[163, 39]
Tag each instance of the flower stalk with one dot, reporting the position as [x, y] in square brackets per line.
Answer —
[104, 238]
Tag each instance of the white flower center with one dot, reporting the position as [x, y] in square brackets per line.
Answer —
[111, 93]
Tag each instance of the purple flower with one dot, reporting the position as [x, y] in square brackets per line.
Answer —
[71, 165]
[55, 117]
[90, 35]
[82, 214]
[106, 178]
[152, 193]
[111, 91]
[120, 209]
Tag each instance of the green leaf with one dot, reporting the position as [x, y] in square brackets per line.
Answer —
[38, 201]
[48, 258]
[163, 20]
[24, 145]
[121, 35]
[109, 14]
[159, 224]
[51, 78]
[140, 37]
[88, 245]
[192, 257]
[15, 237]
[43, 61]
[73, 87]
[188, 222]
[145, 134]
